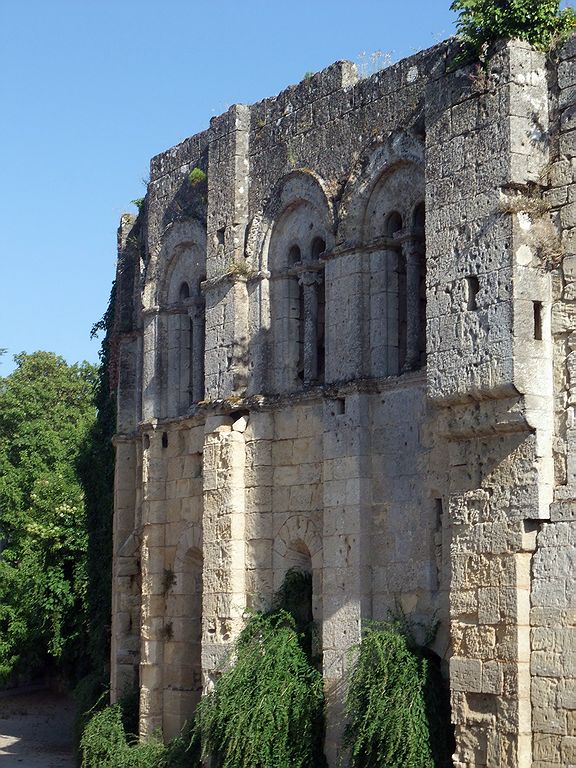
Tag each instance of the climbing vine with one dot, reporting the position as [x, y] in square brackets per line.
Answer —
[542, 23]
[96, 472]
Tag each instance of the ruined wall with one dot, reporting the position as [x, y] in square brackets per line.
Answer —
[553, 606]
[348, 350]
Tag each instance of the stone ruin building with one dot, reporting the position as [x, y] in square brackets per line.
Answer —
[345, 342]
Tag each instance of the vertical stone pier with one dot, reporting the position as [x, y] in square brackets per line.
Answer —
[224, 577]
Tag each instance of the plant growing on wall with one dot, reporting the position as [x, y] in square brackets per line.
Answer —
[482, 22]
[196, 176]
[397, 707]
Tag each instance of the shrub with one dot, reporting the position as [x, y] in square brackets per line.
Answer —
[482, 22]
[267, 709]
[398, 711]
[104, 744]
[196, 176]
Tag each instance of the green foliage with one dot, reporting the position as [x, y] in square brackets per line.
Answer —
[139, 203]
[46, 412]
[482, 22]
[196, 176]
[95, 467]
[107, 742]
[308, 75]
[104, 744]
[397, 707]
[266, 710]
[295, 597]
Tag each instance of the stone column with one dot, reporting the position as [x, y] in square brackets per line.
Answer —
[153, 586]
[413, 251]
[346, 597]
[197, 347]
[310, 282]
[384, 322]
[125, 639]
[224, 576]
[151, 367]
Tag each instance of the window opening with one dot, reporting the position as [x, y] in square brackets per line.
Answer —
[294, 255]
[318, 248]
[184, 291]
[419, 217]
[439, 512]
[393, 223]
[472, 288]
[538, 320]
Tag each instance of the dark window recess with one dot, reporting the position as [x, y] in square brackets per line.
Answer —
[439, 513]
[420, 217]
[393, 223]
[294, 255]
[473, 286]
[538, 320]
[318, 248]
[164, 439]
[220, 235]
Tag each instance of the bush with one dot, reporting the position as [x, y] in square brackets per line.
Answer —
[482, 22]
[196, 176]
[398, 711]
[104, 744]
[267, 709]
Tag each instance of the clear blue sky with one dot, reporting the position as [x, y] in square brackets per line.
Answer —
[91, 89]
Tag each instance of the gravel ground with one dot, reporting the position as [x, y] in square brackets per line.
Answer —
[36, 730]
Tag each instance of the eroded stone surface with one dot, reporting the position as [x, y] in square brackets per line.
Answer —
[351, 350]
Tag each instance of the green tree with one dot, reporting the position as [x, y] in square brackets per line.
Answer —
[482, 22]
[96, 473]
[46, 413]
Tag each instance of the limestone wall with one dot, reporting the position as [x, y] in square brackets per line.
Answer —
[553, 605]
[349, 350]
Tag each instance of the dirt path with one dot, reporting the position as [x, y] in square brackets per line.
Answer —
[36, 730]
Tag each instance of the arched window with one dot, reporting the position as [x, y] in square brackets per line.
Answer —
[297, 304]
[394, 227]
[184, 349]
[419, 219]
[294, 255]
[317, 249]
[393, 223]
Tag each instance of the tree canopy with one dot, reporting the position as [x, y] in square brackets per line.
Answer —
[46, 414]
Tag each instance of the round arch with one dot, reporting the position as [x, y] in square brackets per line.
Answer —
[377, 164]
